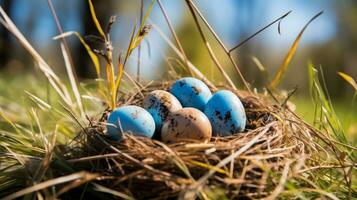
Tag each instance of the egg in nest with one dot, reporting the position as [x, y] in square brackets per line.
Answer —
[186, 124]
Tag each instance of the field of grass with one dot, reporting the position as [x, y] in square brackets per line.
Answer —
[345, 110]
[53, 142]
[13, 96]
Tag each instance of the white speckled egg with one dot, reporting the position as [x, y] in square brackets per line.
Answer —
[187, 124]
[132, 119]
[160, 104]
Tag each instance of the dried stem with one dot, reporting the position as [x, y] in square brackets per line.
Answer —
[228, 53]
[139, 48]
[208, 46]
[179, 54]
[60, 31]
[175, 35]
[256, 33]
[68, 60]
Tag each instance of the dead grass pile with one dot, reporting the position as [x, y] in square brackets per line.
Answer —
[276, 147]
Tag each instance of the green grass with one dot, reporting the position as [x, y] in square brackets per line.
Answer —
[346, 112]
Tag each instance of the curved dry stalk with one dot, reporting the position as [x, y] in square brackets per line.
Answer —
[139, 47]
[209, 48]
[179, 54]
[228, 52]
[175, 35]
[82, 176]
[54, 80]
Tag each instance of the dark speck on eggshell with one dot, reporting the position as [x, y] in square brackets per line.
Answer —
[218, 114]
[160, 104]
[227, 116]
[226, 113]
[187, 124]
[196, 90]
[191, 92]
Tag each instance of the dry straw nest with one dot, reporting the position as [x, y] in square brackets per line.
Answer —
[275, 147]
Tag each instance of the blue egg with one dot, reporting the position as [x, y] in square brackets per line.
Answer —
[191, 92]
[160, 104]
[132, 119]
[226, 113]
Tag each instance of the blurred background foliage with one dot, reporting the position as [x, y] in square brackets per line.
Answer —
[330, 42]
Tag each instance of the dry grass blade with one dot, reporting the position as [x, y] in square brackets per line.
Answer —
[222, 45]
[42, 104]
[46, 161]
[274, 83]
[179, 54]
[282, 182]
[135, 40]
[54, 80]
[92, 55]
[209, 167]
[349, 80]
[52, 182]
[199, 184]
[175, 35]
[208, 25]
[258, 64]
[209, 48]
[137, 36]
[261, 30]
[72, 79]
[101, 188]
[139, 48]
[60, 31]
[95, 19]
[8, 120]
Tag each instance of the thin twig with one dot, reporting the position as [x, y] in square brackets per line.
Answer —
[63, 179]
[256, 33]
[222, 45]
[194, 69]
[291, 93]
[282, 182]
[174, 34]
[60, 31]
[68, 60]
[198, 185]
[139, 48]
[209, 26]
[208, 46]
[96, 157]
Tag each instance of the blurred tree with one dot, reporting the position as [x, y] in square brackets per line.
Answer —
[248, 23]
[5, 43]
[339, 54]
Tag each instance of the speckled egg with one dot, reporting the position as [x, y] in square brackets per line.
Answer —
[187, 124]
[191, 92]
[160, 104]
[132, 119]
[226, 113]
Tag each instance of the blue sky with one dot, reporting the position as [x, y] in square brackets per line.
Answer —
[228, 17]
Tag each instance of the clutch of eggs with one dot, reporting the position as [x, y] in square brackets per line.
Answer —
[203, 115]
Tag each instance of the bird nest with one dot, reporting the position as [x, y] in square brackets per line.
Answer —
[275, 146]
